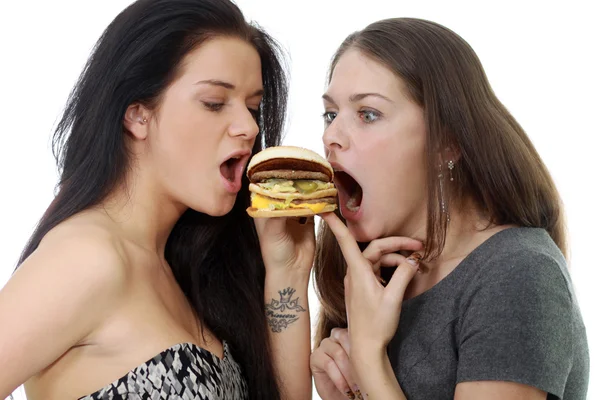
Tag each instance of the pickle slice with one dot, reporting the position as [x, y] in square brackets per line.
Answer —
[306, 186]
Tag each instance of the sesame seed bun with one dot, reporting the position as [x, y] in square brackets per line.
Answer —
[289, 159]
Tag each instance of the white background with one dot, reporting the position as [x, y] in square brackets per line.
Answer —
[541, 58]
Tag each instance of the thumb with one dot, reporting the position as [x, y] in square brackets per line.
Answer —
[403, 275]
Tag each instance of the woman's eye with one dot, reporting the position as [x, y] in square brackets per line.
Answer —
[213, 106]
[368, 116]
[329, 116]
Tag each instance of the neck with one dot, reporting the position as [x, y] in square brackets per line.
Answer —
[466, 231]
[144, 214]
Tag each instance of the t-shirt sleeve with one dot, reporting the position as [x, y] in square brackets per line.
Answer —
[517, 324]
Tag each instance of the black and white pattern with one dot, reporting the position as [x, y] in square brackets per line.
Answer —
[184, 371]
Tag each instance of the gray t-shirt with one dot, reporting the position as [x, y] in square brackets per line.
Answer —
[508, 312]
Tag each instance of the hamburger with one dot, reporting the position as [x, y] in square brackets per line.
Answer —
[288, 181]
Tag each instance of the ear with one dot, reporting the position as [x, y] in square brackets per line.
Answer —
[450, 153]
[136, 121]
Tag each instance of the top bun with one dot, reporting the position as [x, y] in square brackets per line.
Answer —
[288, 158]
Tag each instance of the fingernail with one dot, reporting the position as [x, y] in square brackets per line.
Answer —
[350, 394]
[414, 259]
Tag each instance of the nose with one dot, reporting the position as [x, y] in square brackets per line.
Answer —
[244, 125]
[334, 137]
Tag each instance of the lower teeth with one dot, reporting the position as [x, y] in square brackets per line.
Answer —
[351, 204]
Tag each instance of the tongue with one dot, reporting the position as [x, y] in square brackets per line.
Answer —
[228, 170]
[353, 203]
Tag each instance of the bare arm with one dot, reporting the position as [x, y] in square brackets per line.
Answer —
[497, 391]
[379, 382]
[57, 297]
[288, 252]
[286, 307]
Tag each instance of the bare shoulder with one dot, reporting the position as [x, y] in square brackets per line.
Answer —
[59, 296]
[83, 250]
[80, 264]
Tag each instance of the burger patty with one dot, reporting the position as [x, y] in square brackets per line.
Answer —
[288, 174]
[327, 200]
[293, 164]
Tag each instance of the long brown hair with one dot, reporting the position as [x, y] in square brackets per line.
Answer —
[499, 169]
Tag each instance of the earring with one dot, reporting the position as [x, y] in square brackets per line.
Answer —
[143, 120]
[451, 167]
[442, 201]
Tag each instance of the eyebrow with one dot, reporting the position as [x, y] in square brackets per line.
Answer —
[359, 96]
[227, 85]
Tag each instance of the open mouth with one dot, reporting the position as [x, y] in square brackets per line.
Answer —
[229, 169]
[232, 171]
[350, 192]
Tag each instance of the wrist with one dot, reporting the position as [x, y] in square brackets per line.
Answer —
[286, 304]
[366, 355]
[375, 375]
[288, 277]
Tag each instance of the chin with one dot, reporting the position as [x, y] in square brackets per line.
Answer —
[361, 232]
[223, 208]
[220, 212]
[217, 207]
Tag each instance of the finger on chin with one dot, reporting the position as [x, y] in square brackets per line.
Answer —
[404, 274]
[392, 260]
[392, 244]
[346, 241]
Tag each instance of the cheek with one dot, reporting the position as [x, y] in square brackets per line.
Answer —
[407, 170]
[396, 166]
[388, 159]
[187, 144]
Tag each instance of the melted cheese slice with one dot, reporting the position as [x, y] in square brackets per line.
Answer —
[264, 203]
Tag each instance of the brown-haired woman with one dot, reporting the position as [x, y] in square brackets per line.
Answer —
[438, 179]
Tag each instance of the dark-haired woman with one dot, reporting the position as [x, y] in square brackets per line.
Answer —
[144, 278]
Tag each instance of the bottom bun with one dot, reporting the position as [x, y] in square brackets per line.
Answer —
[290, 212]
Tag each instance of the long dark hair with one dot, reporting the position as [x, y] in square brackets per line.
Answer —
[217, 261]
[499, 168]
